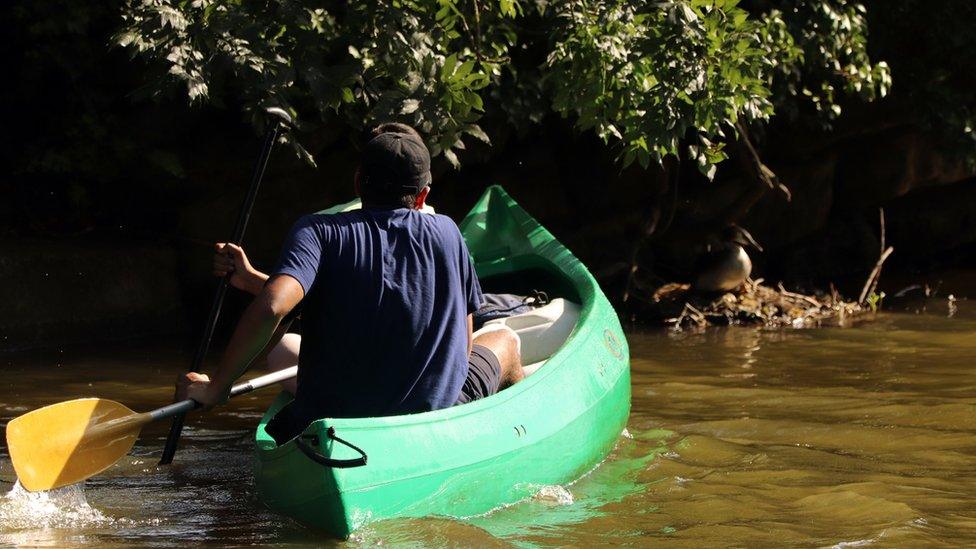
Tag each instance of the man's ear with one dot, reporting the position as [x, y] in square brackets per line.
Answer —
[421, 198]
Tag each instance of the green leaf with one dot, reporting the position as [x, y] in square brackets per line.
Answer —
[300, 151]
[629, 157]
[447, 70]
[477, 81]
[409, 106]
[475, 131]
[463, 70]
[452, 158]
[474, 100]
[507, 7]
[643, 158]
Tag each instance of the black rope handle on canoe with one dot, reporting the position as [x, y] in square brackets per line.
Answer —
[317, 457]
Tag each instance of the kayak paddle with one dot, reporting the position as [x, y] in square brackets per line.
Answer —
[68, 442]
[279, 119]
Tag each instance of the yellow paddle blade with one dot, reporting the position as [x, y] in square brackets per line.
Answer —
[65, 443]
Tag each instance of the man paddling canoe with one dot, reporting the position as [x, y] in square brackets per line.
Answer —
[386, 295]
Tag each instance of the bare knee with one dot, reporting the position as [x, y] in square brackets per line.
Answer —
[285, 355]
[505, 344]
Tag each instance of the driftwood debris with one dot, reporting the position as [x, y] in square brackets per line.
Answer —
[753, 304]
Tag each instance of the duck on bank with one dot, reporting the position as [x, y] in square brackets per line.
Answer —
[725, 265]
[722, 293]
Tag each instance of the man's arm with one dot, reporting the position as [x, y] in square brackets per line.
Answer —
[276, 337]
[253, 332]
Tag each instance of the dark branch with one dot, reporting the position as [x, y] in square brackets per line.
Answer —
[755, 166]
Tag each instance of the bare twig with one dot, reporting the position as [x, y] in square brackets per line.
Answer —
[904, 291]
[757, 168]
[882, 217]
[806, 298]
[477, 29]
[691, 313]
[871, 283]
[464, 21]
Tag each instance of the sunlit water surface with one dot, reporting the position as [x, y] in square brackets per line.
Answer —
[834, 437]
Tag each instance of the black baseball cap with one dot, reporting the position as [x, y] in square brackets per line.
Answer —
[395, 163]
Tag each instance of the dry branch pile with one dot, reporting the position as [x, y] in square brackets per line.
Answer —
[753, 303]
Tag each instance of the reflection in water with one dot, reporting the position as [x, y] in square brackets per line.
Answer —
[834, 437]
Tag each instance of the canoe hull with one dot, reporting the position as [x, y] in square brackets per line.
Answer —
[551, 428]
[476, 489]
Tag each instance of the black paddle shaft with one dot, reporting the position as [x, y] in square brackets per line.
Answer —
[270, 136]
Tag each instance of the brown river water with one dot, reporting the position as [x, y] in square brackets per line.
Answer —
[842, 437]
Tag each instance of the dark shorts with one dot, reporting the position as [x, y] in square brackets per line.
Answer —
[484, 375]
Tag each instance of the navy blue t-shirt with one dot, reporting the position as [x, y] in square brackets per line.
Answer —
[384, 318]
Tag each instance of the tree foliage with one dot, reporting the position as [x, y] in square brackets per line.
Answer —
[650, 78]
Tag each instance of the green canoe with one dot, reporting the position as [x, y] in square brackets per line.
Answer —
[551, 428]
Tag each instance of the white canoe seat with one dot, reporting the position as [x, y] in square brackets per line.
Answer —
[542, 331]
